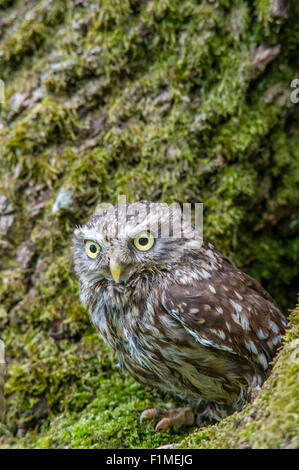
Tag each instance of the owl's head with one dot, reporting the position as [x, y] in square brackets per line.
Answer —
[130, 240]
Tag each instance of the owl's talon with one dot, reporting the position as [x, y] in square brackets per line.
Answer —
[151, 413]
[164, 423]
[174, 417]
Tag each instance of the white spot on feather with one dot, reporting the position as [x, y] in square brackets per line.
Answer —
[221, 334]
[238, 310]
[210, 254]
[204, 274]
[263, 361]
[251, 347]
[236, 306]
[238, 295]
[274, 327]
[245, 323]
[194, 310]
[212, 289]
[261, 334]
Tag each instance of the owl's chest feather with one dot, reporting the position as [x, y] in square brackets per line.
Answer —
[157, 351]
[139, 335]
[119, 322]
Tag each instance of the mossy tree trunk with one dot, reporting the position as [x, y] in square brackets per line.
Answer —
[182, 101]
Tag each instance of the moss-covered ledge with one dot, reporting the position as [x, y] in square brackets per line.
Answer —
[272, 420]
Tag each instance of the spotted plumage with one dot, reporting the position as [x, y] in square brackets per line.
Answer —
[178, 314]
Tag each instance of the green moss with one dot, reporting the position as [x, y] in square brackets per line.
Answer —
[110, 420]
[28, 35]
[156, 100]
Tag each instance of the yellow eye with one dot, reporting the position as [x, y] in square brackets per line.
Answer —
[92, 249]
[144, 241]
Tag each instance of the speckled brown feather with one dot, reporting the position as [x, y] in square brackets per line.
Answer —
[228, 311]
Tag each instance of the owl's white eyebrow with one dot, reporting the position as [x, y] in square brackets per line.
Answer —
[90, 235]
[91, 240]
[130, 234]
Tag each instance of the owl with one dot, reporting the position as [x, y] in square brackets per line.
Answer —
[179, 315]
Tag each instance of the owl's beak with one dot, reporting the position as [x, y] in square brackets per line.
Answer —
[115, 269]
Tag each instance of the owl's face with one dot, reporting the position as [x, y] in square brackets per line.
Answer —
[132, 239]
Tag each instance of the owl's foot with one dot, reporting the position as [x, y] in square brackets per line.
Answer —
[175, 417]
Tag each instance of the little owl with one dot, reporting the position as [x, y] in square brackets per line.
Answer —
[178, 314]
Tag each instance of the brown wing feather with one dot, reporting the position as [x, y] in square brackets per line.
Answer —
[229, 311]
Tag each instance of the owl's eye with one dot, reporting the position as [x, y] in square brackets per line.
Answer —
[144, 241]
[92, 249]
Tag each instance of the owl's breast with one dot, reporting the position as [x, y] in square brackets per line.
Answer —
[157, 351]
[129, 329]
